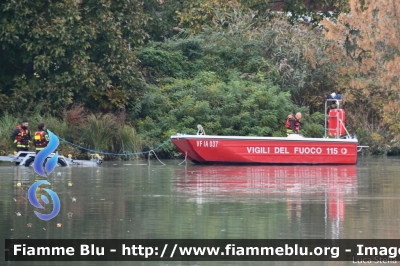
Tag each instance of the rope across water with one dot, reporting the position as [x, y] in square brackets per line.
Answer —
[112, 153]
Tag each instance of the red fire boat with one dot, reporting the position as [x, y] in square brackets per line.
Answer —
[338, 148]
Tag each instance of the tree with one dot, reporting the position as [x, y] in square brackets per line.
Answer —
[162, 21]
[300, 55]
[368, 48]
[195, 14]
[54, 53]
[238, 77]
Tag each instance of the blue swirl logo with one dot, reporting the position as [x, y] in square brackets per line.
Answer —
[35, 202]
[38, 167]
[42, 155]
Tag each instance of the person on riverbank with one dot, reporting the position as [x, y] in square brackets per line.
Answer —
[21, 136]
[293, 123]
[41, 138]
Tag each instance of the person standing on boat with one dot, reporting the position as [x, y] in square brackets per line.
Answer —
[21, 136]
[41, 138]
[293, 123]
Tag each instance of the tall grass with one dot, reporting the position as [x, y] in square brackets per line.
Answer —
[98, 132]
[130, 142]
[7, 125]
[61, 128]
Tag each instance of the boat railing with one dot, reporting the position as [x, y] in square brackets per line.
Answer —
[347, 132]
[359, 148]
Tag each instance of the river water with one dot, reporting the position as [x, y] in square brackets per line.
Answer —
[134, 200]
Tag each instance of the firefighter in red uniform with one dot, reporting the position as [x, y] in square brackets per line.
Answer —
[21, 136]
[293, 123]
[41, 138]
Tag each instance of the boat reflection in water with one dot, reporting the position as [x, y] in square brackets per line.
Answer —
[333, 186]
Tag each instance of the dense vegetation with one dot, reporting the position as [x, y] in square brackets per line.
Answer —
[121, 76]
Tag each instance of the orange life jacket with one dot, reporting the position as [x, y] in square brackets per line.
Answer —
[39, 139]
[22, 136]
[296, 123]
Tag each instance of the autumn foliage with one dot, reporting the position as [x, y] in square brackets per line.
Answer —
[367, 49]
